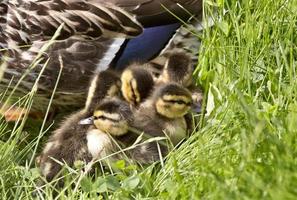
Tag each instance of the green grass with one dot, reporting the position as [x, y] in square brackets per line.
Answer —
[246, 145]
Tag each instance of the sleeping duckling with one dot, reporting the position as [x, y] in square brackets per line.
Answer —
[104, 84]
[161, 115]
[137, 82]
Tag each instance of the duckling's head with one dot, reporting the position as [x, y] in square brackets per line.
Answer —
[137, 83]
[104, 84]
[112, 116]
[178, 68]
[172, 100]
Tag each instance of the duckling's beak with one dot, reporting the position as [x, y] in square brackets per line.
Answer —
[86, 121]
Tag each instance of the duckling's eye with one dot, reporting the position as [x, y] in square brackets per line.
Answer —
[99, 117]
[102, 117]
[180, 102]
[175, 101]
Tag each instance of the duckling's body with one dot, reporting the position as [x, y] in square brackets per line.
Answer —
[154, 124]
[67, 144]
[74, 141]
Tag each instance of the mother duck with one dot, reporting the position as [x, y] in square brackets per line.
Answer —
[92, 34]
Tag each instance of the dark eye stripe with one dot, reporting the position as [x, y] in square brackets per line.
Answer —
[177, 101]
[105, 118]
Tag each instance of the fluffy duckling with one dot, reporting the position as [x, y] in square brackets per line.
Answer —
[69, 142]
[85, 142]
[137, 82]
[113, 116]
[165, 111]
[163, 114]
[104, 84]
[178, 67]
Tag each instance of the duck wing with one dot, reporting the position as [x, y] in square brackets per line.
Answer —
[31, 20]
[155, 12]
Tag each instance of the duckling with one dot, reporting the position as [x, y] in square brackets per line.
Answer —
[163, 114]
[103, 84]
[178, 67]
[116, 118]
[165, 111]
[85, 142]
[69, 142]
[113, 116]
[137, 83]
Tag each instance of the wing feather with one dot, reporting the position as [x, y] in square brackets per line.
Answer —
[87, 20]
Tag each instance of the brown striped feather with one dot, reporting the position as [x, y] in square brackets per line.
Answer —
[32, 20]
